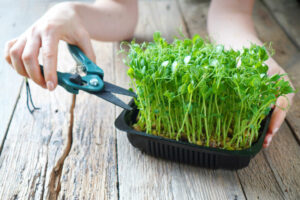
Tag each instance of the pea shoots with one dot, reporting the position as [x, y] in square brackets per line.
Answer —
[196, 91]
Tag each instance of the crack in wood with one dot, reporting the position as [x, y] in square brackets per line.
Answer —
[10, 118]
[293, 131]
[37, 178]
[276, 175]
[44, 178]
[283, 28]
[242, 186]
[55, 176]
[114, 53]
[184, 22]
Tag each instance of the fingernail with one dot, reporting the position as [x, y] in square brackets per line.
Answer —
[50, 85]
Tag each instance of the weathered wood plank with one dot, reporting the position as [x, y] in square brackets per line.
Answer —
[36, 144]
[287, 13]
[284, 158]
[293, 117]
[162, 16]
[194, 14]
[90, 170]
[145, 177]
[259, 181]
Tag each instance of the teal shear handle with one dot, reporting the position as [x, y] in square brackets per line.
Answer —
[91, 82]
[87, 83]
[81, 59]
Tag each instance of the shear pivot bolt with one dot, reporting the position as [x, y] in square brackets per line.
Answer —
[94, 82]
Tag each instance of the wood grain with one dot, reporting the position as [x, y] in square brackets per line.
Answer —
[145, 177]
[162, 16]
[287, 13]
[90, 170]
[258, 180]
[194, 14]
[36, 143]
[293, 116]
[284, 158]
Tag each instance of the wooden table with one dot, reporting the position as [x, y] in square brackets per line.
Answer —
[70, 148]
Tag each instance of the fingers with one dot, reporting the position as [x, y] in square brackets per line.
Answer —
[84, 43]
[23, 52]
[268, 138]
[30, 59]
[49, 49]
[7, 48]
[15, 53]
[277, 119]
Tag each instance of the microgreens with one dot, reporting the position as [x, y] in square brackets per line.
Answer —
[193, 90]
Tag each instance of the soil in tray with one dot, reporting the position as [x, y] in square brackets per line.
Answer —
[213, 141]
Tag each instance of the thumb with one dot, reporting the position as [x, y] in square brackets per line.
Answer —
[84, 43]
[277, 119]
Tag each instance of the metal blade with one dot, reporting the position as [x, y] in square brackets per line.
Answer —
[112, 99]
[117, 90]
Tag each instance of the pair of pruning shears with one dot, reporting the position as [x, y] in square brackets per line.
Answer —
[92, 82]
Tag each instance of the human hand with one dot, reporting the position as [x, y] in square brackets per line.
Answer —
[61, 22]
[281, 107]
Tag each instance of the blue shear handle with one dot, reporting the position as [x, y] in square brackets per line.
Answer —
[81, 59]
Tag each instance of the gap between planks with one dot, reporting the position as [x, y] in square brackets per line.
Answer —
[291, 37]
[114, 52]
[11, 117]
[293, 131]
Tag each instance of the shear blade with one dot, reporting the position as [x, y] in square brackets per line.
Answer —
[113, 99]
[117, 90]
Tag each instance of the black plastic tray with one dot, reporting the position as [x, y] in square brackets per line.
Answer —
[185, 152]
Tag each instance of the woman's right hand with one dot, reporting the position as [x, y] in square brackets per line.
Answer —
[61, 22]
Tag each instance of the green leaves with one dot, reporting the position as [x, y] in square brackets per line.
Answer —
[130, 72]
[190, 88]
[169, 95]
[199, 91]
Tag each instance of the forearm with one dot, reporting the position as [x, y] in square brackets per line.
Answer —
[230, 23]
[108, 20]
